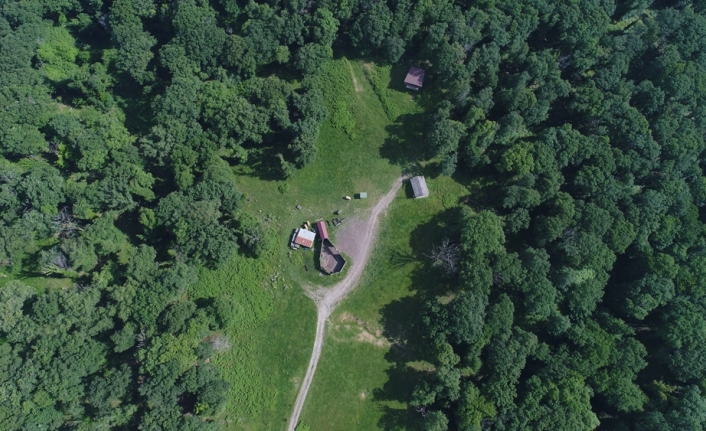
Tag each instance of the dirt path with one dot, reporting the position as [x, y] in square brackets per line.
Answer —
[327, 299]
[356, 85]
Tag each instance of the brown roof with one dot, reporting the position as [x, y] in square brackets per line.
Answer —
[305, 238]
[415, 77]
[321, 227]
[330, 259]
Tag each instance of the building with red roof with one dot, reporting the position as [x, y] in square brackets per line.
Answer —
[304, 237]
[321, 228]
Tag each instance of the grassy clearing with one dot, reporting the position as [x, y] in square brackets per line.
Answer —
[274, 334]
[344, 166]
[355, 385]
[270, 340]
[41, 284]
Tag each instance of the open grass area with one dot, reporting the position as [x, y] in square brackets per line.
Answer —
[359, 150]
[357, 385]
[346, 163]
[270, 339]
[41, 284]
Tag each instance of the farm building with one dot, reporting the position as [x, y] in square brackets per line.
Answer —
[321, 228]
[304, 237]
[330, 258]
[414, 79]
[419, 187]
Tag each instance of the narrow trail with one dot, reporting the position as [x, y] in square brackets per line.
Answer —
[327, 299]
[356, 85]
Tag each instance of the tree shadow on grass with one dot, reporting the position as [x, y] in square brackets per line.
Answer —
[403, 325]
[405, 142]
[400, 419]
[264, 164]
[398, 388]
[400, 258]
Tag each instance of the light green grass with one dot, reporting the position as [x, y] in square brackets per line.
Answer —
[352, 389]
[41, 284]
[273, 337]
[343, 167]
[31, 275]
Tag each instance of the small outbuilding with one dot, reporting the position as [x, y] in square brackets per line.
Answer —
[419, 187]
[414, 79]
[304, 237]
[363, 195]
[330, 258]
[321, 228]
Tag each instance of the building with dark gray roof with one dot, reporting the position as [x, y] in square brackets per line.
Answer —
[419, 187]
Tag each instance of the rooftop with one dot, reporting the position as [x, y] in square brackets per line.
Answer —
[321, 227]
[419, 187]
[415, 77]
[305, 238]
[330, 259]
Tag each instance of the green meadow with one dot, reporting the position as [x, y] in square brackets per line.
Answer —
[372, 136]
[355, 384]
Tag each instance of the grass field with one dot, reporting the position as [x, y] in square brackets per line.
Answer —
[346, 163]
[355, 386]
[359, 149]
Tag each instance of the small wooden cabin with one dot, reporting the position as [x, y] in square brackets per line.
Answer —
[414, 79]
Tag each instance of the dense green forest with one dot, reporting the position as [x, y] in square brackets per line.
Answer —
[579, 297]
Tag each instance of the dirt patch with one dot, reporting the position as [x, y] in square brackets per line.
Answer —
[367, 334]
[347, 317]
[367, 337]
[348, 239]
[356, 84]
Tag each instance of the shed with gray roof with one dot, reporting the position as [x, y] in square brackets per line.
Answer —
[419, 187]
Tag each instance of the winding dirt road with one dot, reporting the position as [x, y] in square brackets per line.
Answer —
[327, 299]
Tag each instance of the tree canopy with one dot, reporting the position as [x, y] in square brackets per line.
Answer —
[579, 296]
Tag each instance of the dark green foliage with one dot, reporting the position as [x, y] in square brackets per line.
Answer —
[174, 318]
[311, 57]
[436, 421]
[133, 42]
[371, 27]
[254, 235]
[196, 30]
[444, 138]
[579, 285]
[41, 188]
[581, 282]
[194, 222]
